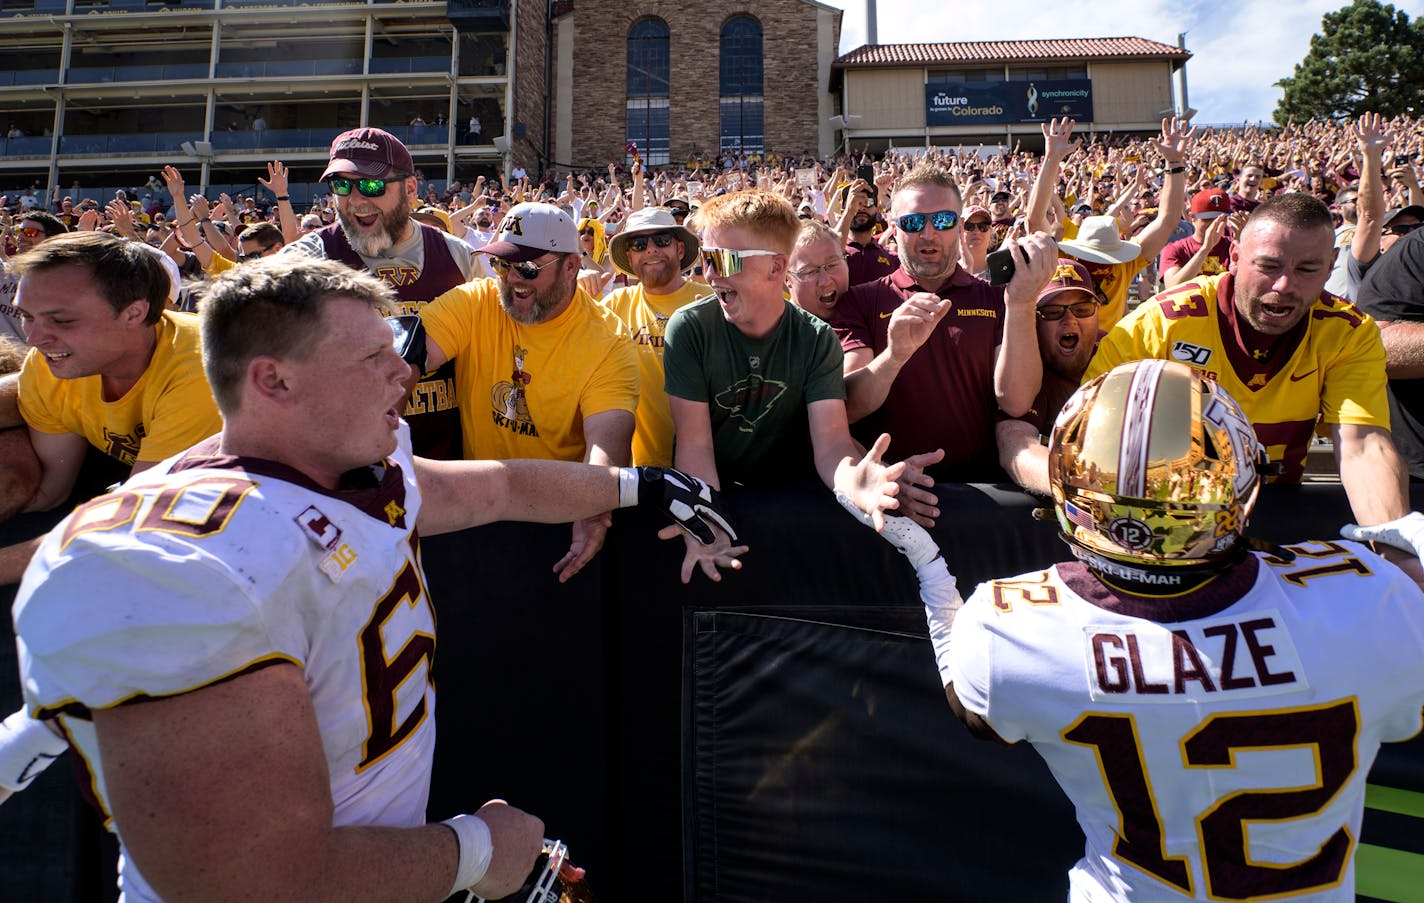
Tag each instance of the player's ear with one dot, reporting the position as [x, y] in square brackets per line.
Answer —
[135, 313]
[266, 377]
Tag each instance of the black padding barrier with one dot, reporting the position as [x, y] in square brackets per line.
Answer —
[779, 735]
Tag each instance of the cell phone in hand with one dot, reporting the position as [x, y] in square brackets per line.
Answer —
[867, 172]
[1001, 266]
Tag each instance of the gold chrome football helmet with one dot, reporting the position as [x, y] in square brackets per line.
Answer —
[1150, 464]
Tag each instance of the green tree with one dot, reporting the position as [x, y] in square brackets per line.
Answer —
[1367, 58]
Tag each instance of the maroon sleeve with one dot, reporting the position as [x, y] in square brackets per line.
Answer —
[852, 317]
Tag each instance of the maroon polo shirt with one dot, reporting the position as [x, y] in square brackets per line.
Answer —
[869, 261]
[944, 395]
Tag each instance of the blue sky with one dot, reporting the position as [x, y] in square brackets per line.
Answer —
[1240, 47]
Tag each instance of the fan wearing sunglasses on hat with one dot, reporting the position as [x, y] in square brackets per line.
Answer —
[1110, 260]
[372, 181]
[1067, 321]
[754, 382]
[931, 352]
[656, 249]
[1292, 354]
[542, 370]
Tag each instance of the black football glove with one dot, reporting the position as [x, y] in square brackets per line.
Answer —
[691, 503]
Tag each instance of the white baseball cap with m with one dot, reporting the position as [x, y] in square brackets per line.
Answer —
[531, 230]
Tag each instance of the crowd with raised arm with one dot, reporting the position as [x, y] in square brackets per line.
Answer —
[552, 348]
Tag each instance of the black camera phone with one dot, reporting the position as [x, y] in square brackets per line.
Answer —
[1001, 266]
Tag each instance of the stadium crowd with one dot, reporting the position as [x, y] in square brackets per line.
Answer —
[876, 325]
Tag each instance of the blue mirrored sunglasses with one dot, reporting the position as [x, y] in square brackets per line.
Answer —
[942, 220]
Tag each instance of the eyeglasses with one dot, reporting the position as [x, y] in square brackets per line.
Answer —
[942, 220]
[1080, 310]
[679, 214]
[371, 188]
[524, 269]
[640, 242]
[31, 232]
[814, 274]
[977, 227]
[727, 262]
[1402, 228]
[243, 258]
[587, 233]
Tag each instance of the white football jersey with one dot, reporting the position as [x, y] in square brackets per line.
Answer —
[207, 567]
[1215, 744]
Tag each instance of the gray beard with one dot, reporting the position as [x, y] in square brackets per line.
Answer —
[378, 243]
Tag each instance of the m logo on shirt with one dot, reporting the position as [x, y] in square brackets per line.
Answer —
[1188, 353]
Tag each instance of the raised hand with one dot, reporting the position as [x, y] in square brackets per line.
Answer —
[1058, 137]
[276, 181]
[1176, 140]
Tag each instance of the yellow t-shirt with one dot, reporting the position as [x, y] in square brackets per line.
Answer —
[645, 318]
[166, 411]
[524, 391]
[1113, 280]
[219, 264]
[1336, 372]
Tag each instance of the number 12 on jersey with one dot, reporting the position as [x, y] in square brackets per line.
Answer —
[1328, 731]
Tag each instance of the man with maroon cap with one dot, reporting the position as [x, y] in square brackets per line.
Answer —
[1067, 320]
[542, 369]
[1207, 251]
[372, 178]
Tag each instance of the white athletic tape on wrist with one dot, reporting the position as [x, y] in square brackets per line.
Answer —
[627, 487]
[476, 850]
[27, 747]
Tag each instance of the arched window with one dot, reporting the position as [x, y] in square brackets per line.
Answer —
[741, 85]
[648, 63]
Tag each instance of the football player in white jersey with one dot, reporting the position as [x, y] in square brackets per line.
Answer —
[1211, 709]
[238, 644]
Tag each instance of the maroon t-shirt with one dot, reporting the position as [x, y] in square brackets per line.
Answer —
[869, 261]
[944, 395]
[1177, 253]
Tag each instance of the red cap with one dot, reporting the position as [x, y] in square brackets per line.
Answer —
[368, 153]
[1210, 204]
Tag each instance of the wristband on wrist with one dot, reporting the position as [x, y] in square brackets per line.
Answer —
[1173, 170]
[284, 197]
[472, 836]
[627, 487]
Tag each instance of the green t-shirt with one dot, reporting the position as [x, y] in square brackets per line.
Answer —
[756, 390]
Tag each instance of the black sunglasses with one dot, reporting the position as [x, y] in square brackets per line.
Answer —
[255, 255]
[977, 227]
[640, 242]
[371, 188]
[1080, 310]
[1402, 228]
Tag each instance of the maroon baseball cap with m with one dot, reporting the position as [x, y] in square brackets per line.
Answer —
[369, 154]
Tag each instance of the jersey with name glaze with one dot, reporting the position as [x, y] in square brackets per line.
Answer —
[204, 568]
[1215, 744]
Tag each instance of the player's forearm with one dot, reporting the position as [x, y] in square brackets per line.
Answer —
[461, 494]
[10, 401]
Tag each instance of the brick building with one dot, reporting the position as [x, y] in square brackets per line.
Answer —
[683, 76]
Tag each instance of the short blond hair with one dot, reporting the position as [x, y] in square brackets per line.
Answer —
[926, 174]
[768, 216]
[813, 231]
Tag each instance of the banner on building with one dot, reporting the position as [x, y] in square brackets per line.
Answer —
[1003, 103]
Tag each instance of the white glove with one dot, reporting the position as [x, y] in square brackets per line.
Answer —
[912, 540]
[1405, 533]
[27, 747]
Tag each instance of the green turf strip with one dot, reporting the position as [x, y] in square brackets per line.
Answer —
[1386, 874]
[1400, 802]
